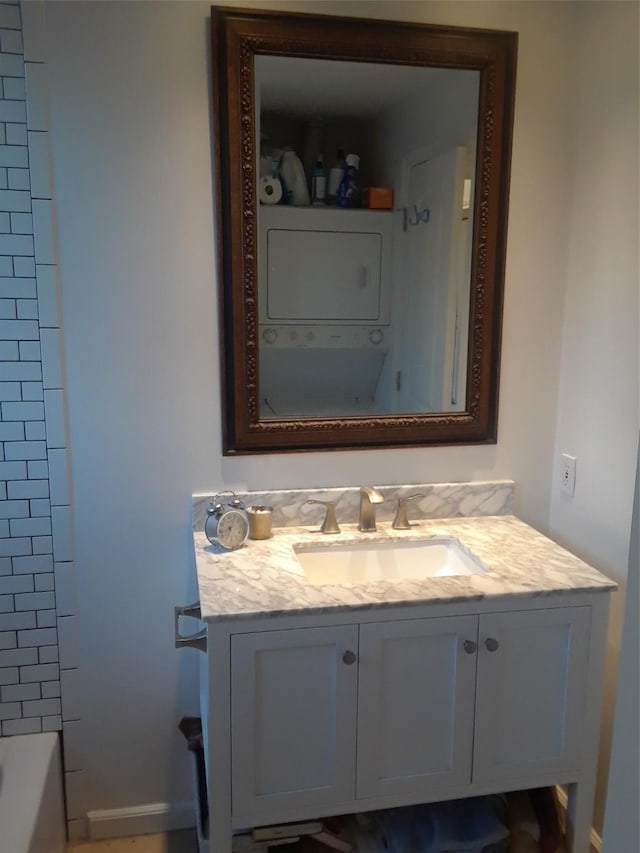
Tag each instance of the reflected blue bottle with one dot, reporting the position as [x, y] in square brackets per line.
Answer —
[349, 189]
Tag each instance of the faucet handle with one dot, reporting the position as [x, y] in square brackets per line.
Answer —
[329, 525]
[401, 521]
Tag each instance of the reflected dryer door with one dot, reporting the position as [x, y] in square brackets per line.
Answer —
[323, 276]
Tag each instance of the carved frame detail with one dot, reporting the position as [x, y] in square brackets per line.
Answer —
[240, 35]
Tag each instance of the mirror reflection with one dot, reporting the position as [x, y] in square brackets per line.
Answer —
[364, 262]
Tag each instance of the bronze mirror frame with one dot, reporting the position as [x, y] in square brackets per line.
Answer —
[240, 34]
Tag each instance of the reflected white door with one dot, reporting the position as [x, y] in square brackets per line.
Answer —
[435, 302]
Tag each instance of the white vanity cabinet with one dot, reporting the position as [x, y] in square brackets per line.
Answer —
[532, 678]
[383, 708]
[293, 707]
[415, 705]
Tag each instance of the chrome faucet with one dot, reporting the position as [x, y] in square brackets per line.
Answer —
[368, 498]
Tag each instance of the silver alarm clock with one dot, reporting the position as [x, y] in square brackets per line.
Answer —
[227, 524]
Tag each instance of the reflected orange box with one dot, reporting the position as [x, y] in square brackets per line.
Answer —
[378, 198]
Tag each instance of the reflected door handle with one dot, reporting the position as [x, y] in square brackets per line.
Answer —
[469, 646]
[349, 657]
[491, 644]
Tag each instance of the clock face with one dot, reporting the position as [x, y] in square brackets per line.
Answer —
[233, 528]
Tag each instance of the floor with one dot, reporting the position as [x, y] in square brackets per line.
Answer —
[184, 841]
[174, 842]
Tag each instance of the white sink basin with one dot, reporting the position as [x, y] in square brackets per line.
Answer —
[364, 562]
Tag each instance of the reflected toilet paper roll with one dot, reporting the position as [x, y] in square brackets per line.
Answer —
[269, 190]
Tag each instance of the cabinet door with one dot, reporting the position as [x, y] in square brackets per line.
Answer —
[415, 705]
[532, 671]
[293, 722]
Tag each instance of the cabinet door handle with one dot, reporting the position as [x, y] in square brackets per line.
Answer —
[349, 657]
[469, 646]
[491, 644]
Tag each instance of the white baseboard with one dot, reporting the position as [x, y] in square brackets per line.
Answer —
[165, 817]
[141, 820]
[595, 841]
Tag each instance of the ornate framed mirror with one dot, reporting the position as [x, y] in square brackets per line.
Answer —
[371, 320]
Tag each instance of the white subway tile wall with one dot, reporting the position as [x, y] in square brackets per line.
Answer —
[38, 623]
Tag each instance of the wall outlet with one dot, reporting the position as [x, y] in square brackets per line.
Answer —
[568, 475]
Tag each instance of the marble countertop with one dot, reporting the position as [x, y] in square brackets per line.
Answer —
[264, 578]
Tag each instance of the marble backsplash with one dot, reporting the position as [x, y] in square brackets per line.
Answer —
[439, 500]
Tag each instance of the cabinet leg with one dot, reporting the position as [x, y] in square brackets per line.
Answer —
[579, 814]
[220, 839]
